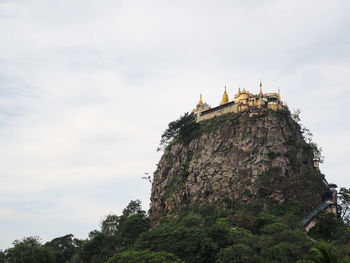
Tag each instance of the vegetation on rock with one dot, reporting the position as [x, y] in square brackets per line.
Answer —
[183, 130]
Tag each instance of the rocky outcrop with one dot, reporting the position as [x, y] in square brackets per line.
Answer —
[237, 158]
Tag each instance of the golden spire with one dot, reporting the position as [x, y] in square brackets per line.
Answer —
[260, 92]
[239, 90]
[200, 103]
[200, 100]
[224, 98]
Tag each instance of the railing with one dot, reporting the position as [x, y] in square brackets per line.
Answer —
[308, 217]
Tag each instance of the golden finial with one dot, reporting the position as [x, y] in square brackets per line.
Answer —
[260, 92]
[239, 90]
[224, 98]
[200, 100]
[279, 93]
[244, 91]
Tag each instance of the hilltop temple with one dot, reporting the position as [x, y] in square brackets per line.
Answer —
[243, 101]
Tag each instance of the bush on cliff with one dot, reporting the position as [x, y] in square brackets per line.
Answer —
[183, 129]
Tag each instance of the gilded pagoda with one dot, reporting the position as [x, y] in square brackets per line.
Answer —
[243, 101]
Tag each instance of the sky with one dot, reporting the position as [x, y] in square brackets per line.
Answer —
[87, 87]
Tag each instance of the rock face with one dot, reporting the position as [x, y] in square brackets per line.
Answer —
[234, 159]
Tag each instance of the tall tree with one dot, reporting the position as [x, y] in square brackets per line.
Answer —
[344, 204]
[132, 208]
[29, 250]
[110, 225]
[65, 247]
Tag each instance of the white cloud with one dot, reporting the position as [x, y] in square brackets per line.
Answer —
[87, 87]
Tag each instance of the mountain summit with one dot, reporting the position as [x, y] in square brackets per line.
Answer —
[234, 159]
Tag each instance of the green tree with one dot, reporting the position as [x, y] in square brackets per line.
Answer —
[237, 253]
[132, 208]
[94, 233]
[280, 243]
[186, 243]
[296, 115]
[220, 232]
[344, 204]
[29, 250]
[110, 225]
[99, 248]
[132, 227]
[326, 226]
[184, 128]
[323, 253]
[65, 247]
[283, 252]
[317, 151]
[117, 234]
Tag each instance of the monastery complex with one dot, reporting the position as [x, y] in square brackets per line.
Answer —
[243, 101]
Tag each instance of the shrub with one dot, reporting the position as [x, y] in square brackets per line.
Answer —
[143, 256]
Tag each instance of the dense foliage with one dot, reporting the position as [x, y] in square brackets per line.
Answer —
[183, 129]
[29, 250]
[256, 232]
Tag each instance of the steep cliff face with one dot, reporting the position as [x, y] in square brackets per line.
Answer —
[235, 159]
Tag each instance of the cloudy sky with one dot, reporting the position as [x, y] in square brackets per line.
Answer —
[87, 87]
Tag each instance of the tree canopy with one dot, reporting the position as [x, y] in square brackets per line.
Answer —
[184, 129]
[200, 235]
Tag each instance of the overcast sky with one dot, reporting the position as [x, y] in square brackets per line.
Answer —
[87, 88]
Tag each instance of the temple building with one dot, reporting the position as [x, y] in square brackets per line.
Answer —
[243, 101]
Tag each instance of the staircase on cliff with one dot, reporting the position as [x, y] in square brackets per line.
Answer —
[329, 204]
[310, 216]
